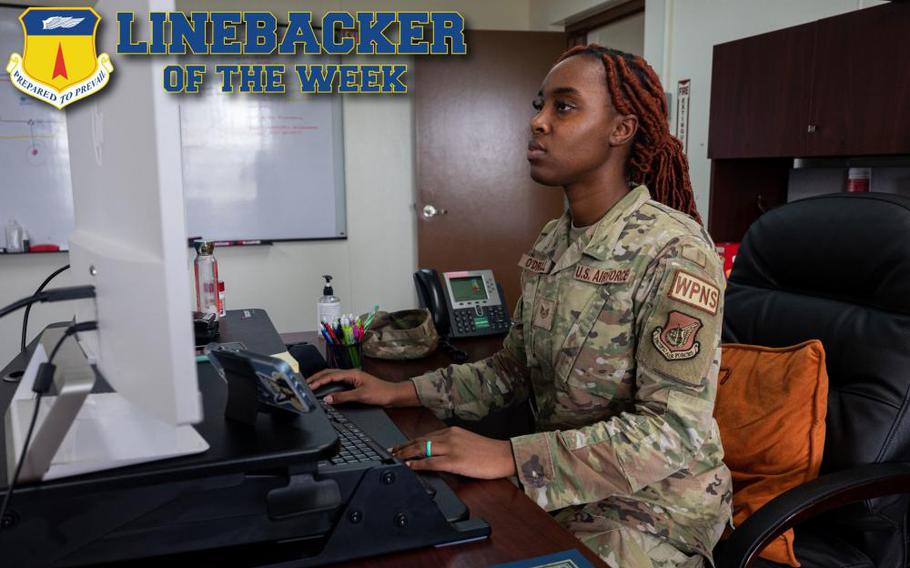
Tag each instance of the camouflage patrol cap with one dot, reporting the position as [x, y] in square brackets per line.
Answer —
[406, 334]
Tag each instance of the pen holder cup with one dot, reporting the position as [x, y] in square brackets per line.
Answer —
[344, 356]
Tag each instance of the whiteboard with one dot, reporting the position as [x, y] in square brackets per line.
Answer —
[255, 167]
[35, 187]
[258, 166]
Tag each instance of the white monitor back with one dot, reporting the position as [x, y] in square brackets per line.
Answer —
[129, 238]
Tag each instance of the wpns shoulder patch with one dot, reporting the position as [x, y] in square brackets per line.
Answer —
[694, 291]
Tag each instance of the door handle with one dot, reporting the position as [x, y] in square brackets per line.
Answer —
[429, 211]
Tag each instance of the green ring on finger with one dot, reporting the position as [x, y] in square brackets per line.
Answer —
[429, 451]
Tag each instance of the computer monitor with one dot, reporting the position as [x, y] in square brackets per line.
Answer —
[130, 243]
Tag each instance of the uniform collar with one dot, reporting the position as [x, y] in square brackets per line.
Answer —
[598, 240]
[607, 230]
[547, 246]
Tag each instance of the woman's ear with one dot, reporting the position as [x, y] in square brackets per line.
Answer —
[624, 130]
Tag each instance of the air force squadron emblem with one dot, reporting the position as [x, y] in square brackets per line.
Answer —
[676, 339]
[59, 65]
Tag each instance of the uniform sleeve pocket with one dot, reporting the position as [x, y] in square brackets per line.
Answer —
[692, 415]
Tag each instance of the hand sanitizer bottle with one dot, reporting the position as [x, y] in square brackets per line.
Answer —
[14, 237]
[328, 308]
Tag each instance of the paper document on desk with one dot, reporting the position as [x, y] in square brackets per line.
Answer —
[565, 559]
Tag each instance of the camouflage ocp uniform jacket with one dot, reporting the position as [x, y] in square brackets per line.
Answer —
[617, 343]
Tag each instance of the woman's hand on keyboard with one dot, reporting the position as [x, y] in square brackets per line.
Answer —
[365, 388]
[460, 451]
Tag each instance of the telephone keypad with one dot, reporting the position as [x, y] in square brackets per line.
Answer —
[480, 320]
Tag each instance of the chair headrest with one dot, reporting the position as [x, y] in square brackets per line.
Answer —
[852, 247]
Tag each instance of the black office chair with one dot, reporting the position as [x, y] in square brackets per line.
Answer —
[837, 268]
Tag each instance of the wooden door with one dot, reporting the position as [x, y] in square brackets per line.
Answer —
[861, 96]
[472, 115]
[760, 88]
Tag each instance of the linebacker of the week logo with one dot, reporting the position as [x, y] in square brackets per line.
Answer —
[60, 65]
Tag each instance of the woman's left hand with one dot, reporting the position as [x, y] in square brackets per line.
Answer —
[457, 450]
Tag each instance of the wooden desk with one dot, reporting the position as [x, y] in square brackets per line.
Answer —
[521, 529]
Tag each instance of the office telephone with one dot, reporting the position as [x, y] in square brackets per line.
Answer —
[468, 303]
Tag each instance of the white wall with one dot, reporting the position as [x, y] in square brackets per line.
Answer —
[679, 40]
[374, 265]
[556, 13]
[478, 14]
[20, 274]
[626, 34]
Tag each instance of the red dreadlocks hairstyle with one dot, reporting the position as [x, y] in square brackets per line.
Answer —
[656, 159]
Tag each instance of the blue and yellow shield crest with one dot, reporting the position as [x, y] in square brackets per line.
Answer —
[59, 65]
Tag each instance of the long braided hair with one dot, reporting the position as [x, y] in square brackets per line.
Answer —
[656, 158]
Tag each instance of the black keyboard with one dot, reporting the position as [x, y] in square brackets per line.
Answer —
[381, 431]
[355, 446]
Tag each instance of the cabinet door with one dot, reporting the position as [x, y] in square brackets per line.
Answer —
[861, 97]
[760, 95]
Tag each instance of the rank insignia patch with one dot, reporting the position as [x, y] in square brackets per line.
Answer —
[676, 339]
[59, 64]
[543, 315]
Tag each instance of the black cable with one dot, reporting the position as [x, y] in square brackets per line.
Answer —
[19, 304]
[12, 484]
[52, 295]
[69, 331]
[41, 386]
[28, 308]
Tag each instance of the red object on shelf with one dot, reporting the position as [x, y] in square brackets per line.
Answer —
[43, 248]
[727, 253]
[858, 180]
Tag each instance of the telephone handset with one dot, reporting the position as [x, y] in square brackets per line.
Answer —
[467, 303]
[430, 296]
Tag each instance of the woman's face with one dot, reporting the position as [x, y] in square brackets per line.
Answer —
[576, 129]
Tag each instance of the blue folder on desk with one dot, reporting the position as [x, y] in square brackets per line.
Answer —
[565, 559]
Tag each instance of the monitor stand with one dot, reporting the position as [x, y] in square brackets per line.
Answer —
[78, 431]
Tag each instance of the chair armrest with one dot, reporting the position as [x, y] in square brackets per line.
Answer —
[808, 500]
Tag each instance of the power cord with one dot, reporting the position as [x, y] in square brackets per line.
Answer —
[52, 295]
[42, 384]
[28, 308]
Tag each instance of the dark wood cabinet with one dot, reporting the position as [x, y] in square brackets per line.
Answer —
[834, 87]
[760, 96]
[741, 191]
[837, 87]
[860, 102]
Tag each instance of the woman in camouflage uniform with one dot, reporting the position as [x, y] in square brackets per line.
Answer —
[616, 340]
